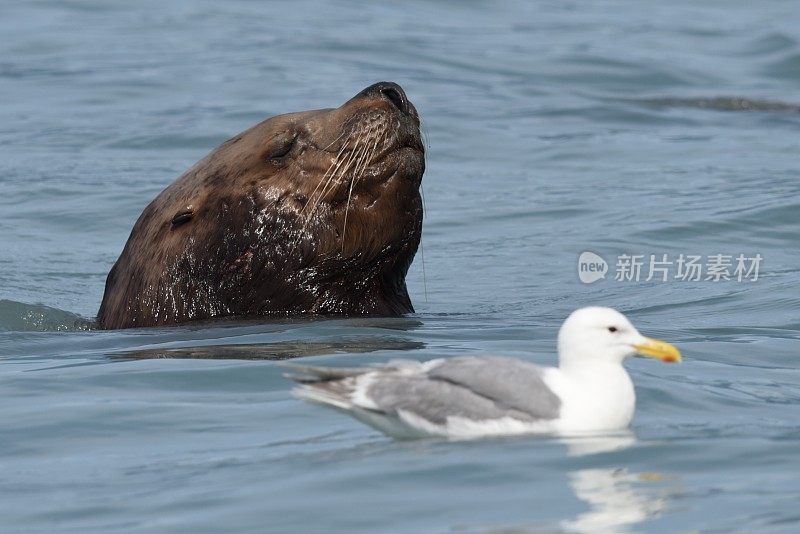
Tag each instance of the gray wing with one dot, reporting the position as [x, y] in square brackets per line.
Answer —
[468, 387]
[510, 383]
[434, 400]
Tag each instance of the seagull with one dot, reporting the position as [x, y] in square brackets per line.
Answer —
[469, 397]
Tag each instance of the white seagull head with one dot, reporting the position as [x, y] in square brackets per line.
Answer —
[602, 335]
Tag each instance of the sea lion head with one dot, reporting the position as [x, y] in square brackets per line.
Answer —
[315, 212]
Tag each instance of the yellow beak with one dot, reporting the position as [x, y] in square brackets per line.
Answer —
[654, 348]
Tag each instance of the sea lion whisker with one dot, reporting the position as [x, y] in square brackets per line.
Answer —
[378, 137]
[325, 176]
[341, 167]
[353, 162]
[366, 155]
[363, 157]
[334, 141]
[358, 173]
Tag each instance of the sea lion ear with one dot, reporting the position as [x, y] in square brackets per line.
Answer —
[184, 215]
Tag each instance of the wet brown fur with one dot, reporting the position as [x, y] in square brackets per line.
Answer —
[252, 231]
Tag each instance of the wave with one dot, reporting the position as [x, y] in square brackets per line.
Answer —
[720, 103]
[22, 317]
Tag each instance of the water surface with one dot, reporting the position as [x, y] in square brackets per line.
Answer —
[552, 128]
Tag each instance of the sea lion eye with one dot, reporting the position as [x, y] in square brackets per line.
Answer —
[183, 216]
[612, 329]
[277, 155]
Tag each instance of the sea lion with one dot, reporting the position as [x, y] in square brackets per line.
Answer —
[316, 212]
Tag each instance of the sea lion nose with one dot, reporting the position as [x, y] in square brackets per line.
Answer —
[389, 91]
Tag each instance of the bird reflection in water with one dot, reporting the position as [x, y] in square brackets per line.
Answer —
[618, 498]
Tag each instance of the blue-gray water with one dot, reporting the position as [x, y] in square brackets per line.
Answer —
[552, 128]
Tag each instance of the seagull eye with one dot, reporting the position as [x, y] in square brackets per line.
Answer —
[612, 329]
